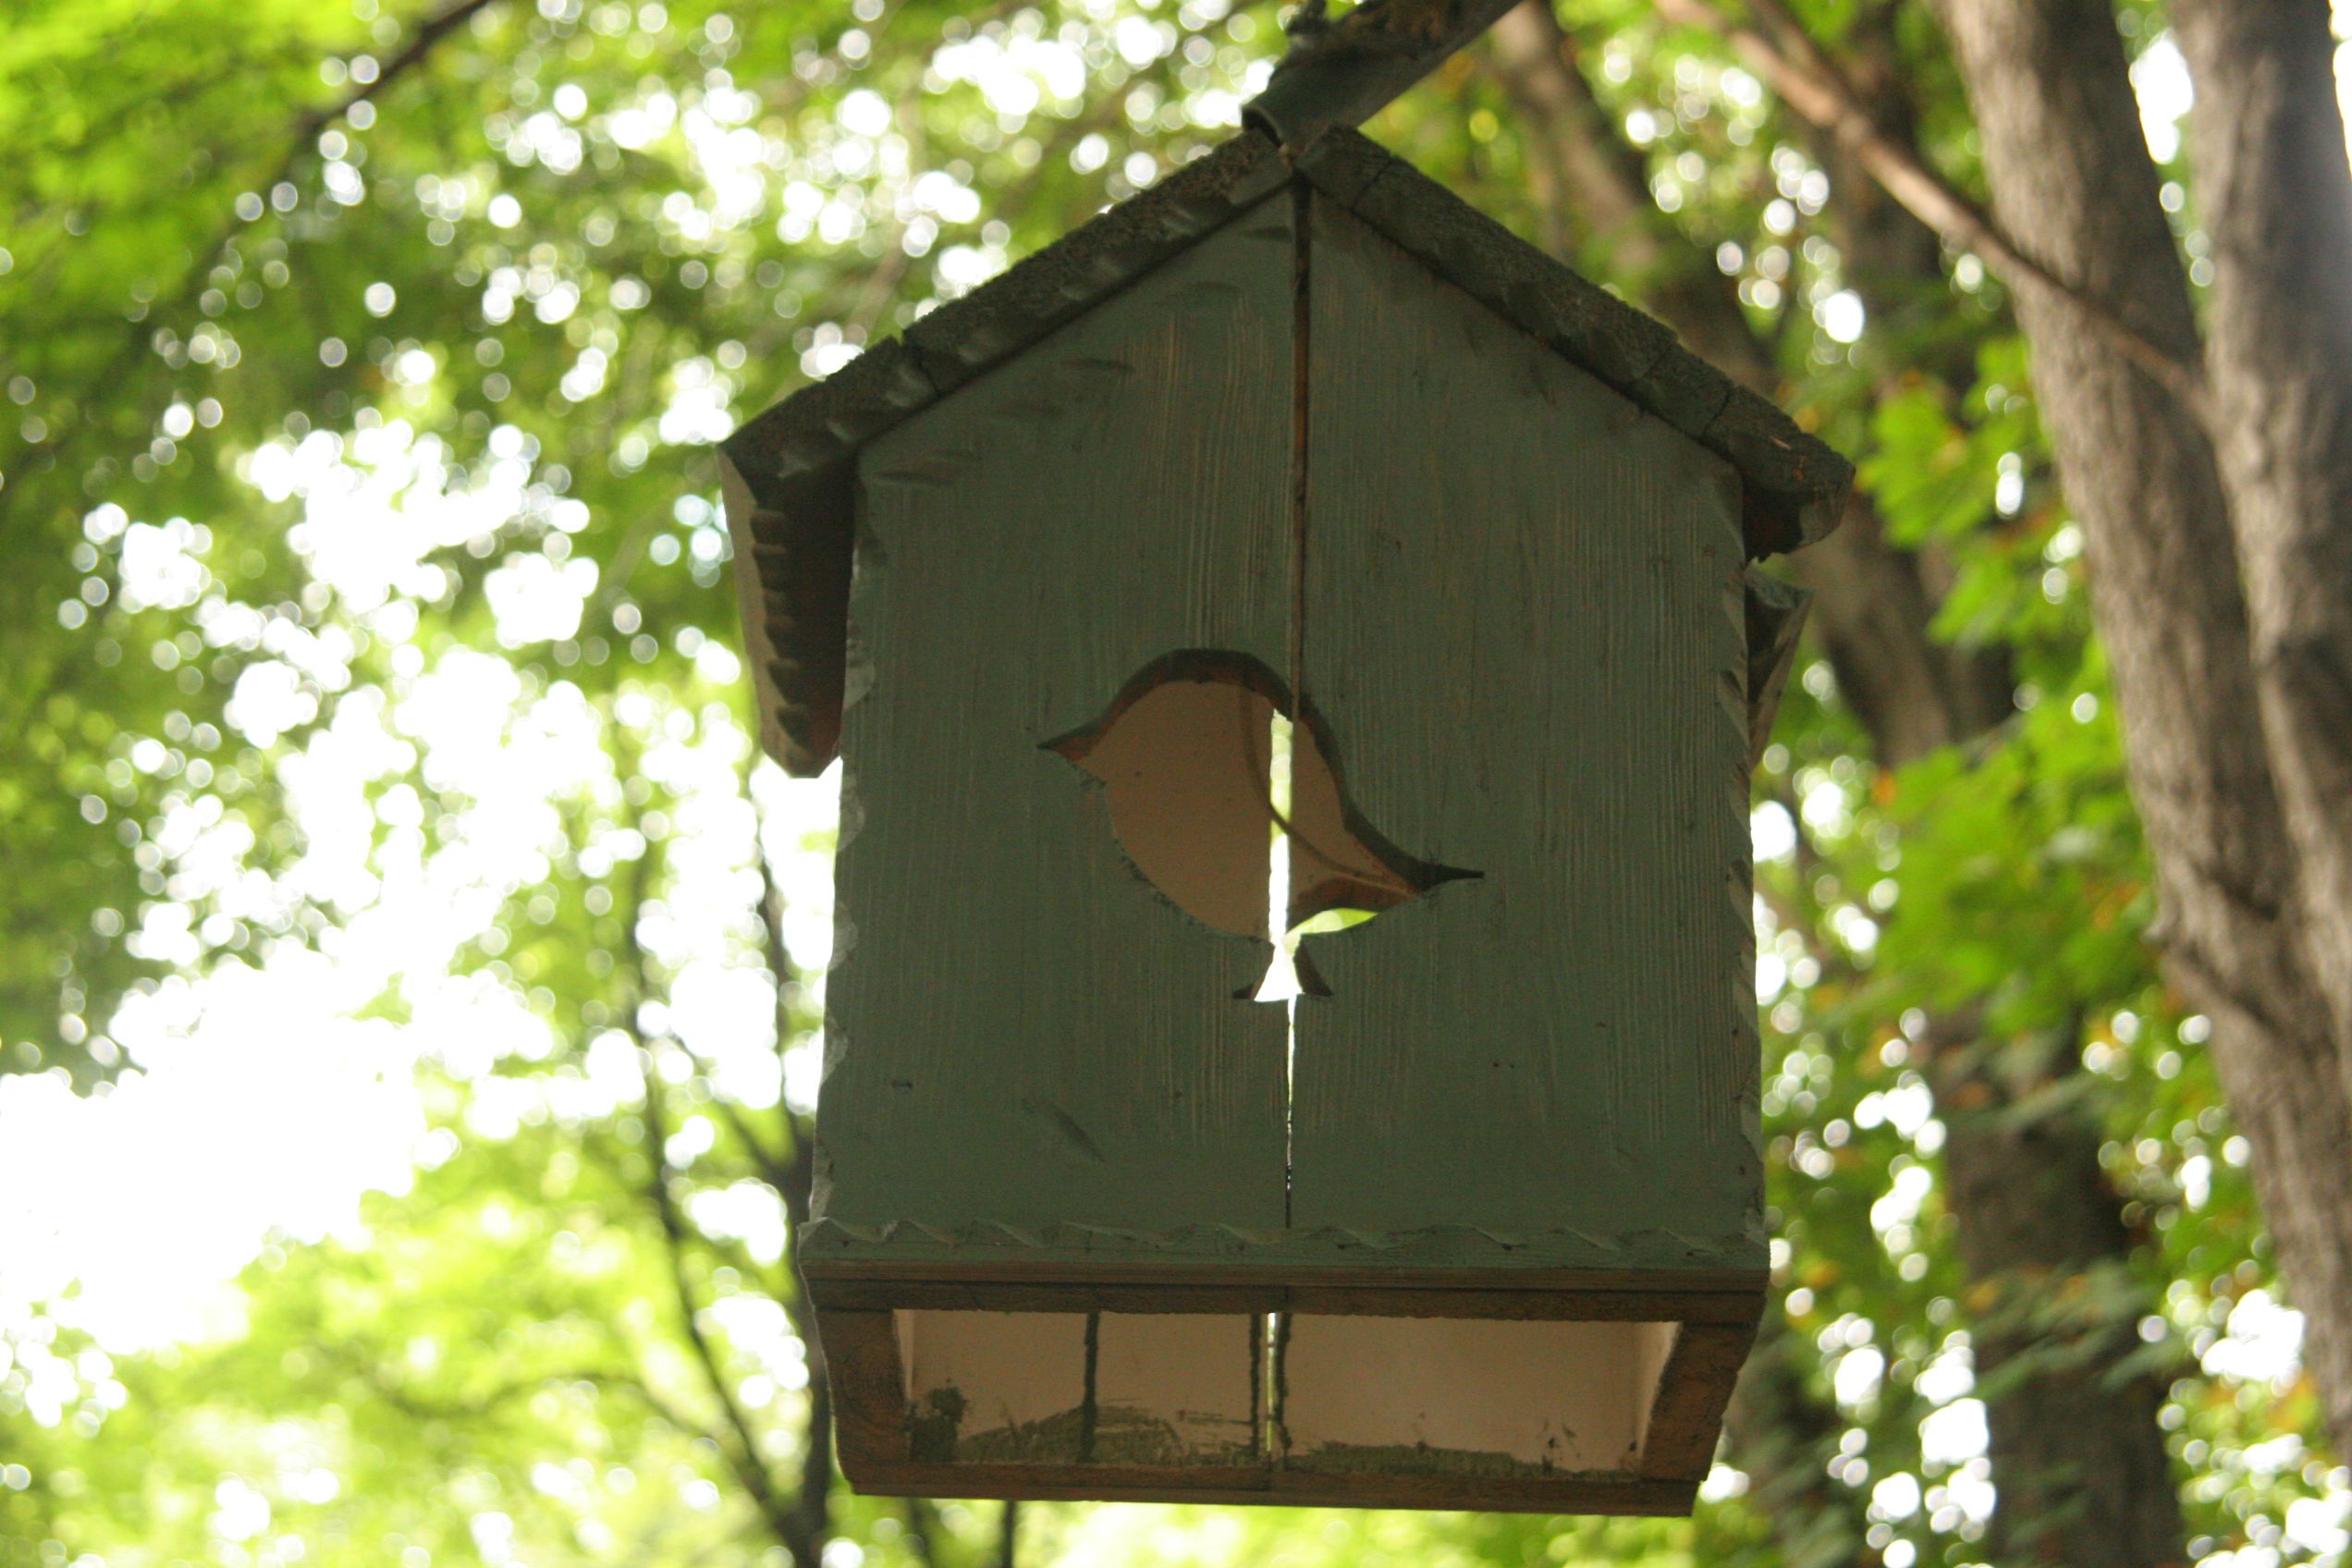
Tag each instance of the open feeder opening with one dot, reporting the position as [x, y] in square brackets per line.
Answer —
[1336, 1395]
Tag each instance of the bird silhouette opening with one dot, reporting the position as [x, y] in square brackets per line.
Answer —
[1236, 810]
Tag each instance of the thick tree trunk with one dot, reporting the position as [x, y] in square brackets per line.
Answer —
[2077, 1457]
[2077, 1453]
[2072, 183]
[1872, 602]
[2275, 191]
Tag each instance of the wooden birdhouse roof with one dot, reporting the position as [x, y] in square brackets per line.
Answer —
[790, 472]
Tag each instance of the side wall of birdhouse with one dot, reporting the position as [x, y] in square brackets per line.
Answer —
[1026, 1044]
[1524, 628]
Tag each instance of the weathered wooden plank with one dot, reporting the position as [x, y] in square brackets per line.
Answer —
[1693, 1388]
[797, 459]
[1023, 1034]
[970, 1295]
[1524, 628]
[1440, 1255]
[1298, 1488]
[1566, 1302]
[1573, 1306]
[964, 337]
[869, 1387]
[1795, 486]
[1107, 1483]
[1304, 1259]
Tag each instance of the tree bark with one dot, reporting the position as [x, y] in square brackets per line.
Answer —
[2083, 1472]
[2077, 1456]
[2077, 1453]
[1872, 601]
[2072, 181]
[2267, 137]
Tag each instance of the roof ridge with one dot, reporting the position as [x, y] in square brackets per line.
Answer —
[791, 471]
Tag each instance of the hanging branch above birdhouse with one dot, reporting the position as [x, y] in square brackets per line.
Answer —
[1340, 71]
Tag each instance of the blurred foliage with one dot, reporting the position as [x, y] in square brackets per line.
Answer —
[346, 371]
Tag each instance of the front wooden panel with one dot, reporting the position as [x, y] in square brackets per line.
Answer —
[1026, 1043]
[1522, 626]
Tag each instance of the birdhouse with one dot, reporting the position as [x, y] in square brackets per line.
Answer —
[1289, 547]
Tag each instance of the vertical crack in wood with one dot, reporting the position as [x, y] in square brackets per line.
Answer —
[1302, 315]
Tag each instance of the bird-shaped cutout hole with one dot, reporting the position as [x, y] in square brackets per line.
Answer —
[1237, 812]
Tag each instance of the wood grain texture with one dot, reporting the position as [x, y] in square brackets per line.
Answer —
[790, 508]
[1573, 1301]
[869, 1386]
[1343, 71]
[797, 459]
[1565, 1306]
[1687, 1413]
[1442, 1255]
[1793, 486]
[1022, 1035]
[1295, 1489]
[1525, 628]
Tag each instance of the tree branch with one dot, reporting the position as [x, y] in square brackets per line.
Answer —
[793, 1177]
[307, 127]
[743, 1455]
[311, 124]
[1008, 1536]
[1342, 72]
[1810, 83]
[798, 1523]
[920, 1542]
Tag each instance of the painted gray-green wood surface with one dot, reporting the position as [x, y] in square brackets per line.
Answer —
[1524, 626]
[1023, 1034]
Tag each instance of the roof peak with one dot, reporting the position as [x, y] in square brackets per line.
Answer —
[790, 469]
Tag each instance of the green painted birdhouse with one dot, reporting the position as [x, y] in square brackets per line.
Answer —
[1290, 540]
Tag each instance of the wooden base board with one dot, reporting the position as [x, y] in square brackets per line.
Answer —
[1683, 1383]
[830, 1273]
[1270, 1486]
[1740, 1305]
